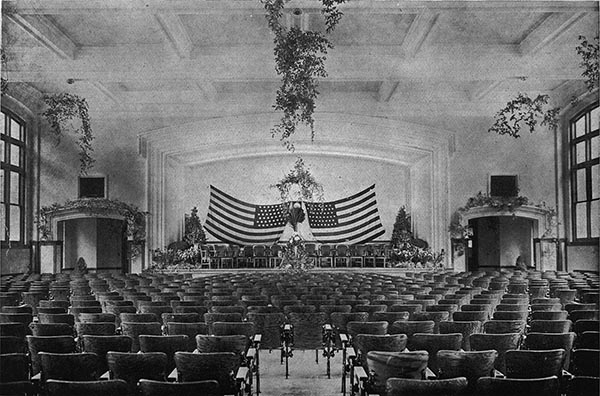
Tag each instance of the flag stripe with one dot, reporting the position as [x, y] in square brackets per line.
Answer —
[233, 221]
[350, 220]
[232, 199]
[355, 227]
[232, 213]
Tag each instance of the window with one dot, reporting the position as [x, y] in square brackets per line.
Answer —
[12, 178]
[585, 169]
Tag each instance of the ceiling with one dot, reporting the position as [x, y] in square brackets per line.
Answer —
[158, 63]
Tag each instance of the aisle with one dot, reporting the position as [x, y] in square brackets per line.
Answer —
[307, 378]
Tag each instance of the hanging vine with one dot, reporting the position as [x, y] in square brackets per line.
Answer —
[300, 60]
[309, 188]
[588, 50]
[524, 111]
[64, 108]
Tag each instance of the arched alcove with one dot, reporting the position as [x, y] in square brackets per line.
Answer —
[175, 155]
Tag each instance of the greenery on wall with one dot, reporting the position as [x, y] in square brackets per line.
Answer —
[300, 61]
[524, 111]
[63, 109]
[588, 50]
[309, 189]
[134, 217]
[458, 230]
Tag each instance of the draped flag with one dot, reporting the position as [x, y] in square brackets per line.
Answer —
[350, 220]
[234, 221]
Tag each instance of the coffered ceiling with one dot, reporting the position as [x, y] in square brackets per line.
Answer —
[157, 63]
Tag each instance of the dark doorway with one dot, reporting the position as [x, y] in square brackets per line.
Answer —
[497, 241]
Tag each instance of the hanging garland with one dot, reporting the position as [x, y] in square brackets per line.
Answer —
[299, 175]
[300, 60]
[135, 218]
[65, 107]
[458, 230]
[524, 111]
[589, 62]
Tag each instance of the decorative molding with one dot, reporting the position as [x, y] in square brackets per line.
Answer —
[483, 89]
[419, 29]
[41, 28]
[386, 90]
[547, 32]
[176, 33]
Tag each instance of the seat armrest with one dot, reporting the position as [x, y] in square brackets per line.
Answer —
[173, 376]
[567, 375]
[327, 327]
[242, 374]
[251, 353]
[37, 378]
[498, 374]
[257, 338]
[350, 353]
[344, 338]
[429, 374]
[105, 376]
[360, 374]
[287, 327]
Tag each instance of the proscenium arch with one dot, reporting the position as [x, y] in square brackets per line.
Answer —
[423, 150]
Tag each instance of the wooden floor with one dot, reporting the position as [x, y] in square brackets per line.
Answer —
[307, 378]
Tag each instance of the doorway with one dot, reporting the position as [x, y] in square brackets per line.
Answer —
[497, 241]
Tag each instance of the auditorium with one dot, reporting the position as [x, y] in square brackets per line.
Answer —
[299, 197]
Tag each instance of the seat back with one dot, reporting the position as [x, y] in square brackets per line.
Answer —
[83, 366]
[195, 388]
[87, 388]
[534, 364]
[395, 365]
[490, 386]
[415, 387]
[217, 366]
[131, 367]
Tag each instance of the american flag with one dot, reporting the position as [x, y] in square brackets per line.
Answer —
[349, 221]
[233, 221]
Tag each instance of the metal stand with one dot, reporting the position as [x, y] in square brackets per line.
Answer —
[287, 342]
[328, 346]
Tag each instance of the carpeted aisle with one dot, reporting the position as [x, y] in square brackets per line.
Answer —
[307, 378]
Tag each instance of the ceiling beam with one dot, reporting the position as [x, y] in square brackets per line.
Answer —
[483, 89]
[419, 29]
[547, 32]
[176, 33]
[386, 90]
[42, 29]
[44, 7]
[208, 90]
[100, 87]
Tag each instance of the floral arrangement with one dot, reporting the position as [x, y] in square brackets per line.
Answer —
[295, 259]
[300, 60]
[62, 109]
[408, 251]
[459, 231]
[300, 176]
[524, 110]
[135, 218]
[413, 256]
[588, 50]
[176, 259]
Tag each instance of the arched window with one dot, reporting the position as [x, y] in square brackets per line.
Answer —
[12, 177]
[584, 167]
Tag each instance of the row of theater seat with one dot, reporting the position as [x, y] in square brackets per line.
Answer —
[361, 293]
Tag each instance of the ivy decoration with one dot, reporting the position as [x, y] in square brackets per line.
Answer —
[3, 67]
[62, 109]
[510, 204]
[300, 60]
[309, 188]
[588, 50]
[524, 111]
[135, 218]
